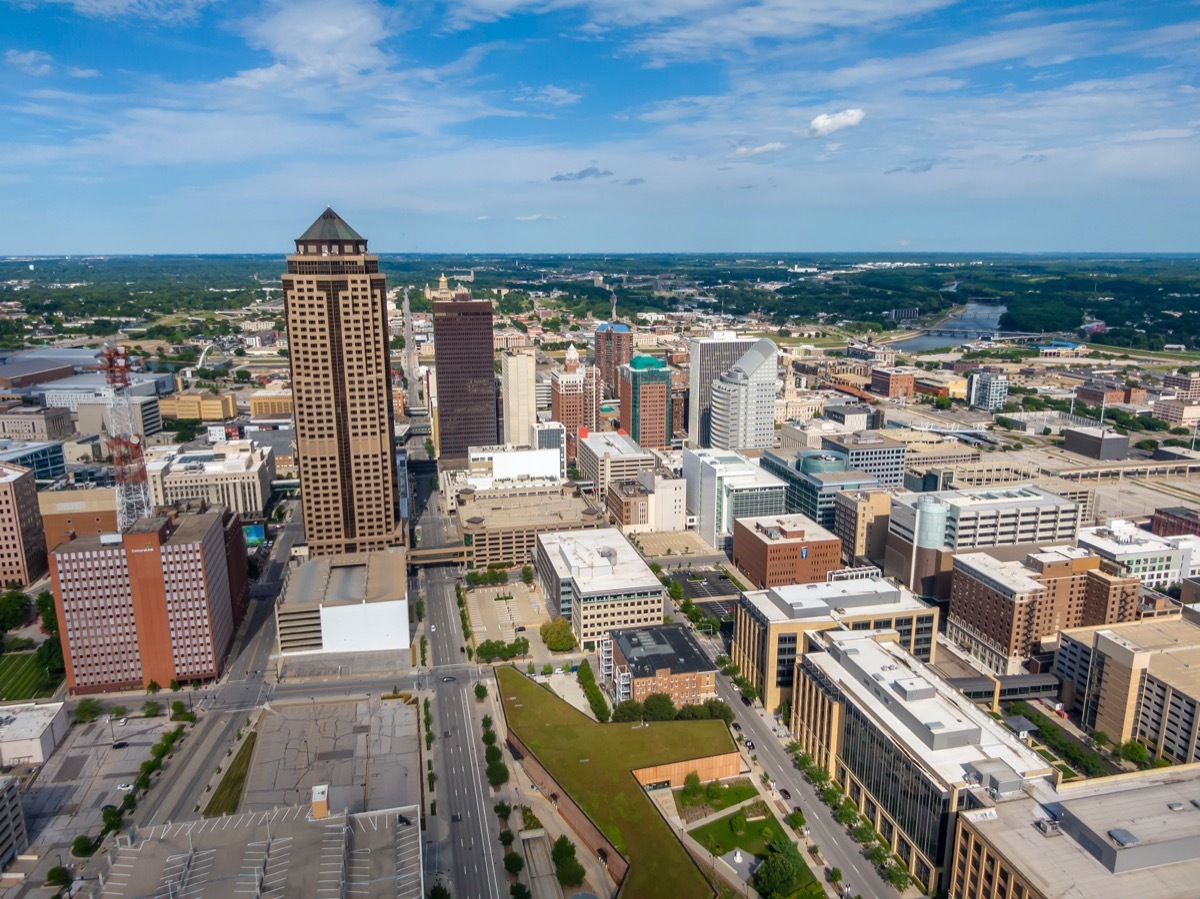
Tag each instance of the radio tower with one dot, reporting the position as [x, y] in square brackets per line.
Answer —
[129, 468]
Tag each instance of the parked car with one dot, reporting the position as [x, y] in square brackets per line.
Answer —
[120, 744]
[787, 797]
[124, 788]
[750, 744]
[736, 726]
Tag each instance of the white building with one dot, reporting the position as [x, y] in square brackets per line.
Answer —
[1155, 561]
[29, 733]
[550, 435]
[598, 581]
[668, 500]
[743, 401]
[708, 359]
[509, 463]
[987, 390]
[237, 474]
[611, 457]
[724, 485]
[518, 389]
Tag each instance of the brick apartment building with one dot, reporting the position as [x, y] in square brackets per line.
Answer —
[893, 380]
[1175, 521]
[22, 539]
[637, 662]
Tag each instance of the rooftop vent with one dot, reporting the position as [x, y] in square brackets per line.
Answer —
[1123, 837]
[1048, 827]
[1175, 806]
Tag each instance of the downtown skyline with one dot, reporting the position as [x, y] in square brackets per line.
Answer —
[484, 126]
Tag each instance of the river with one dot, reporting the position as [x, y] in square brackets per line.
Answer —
[979, 318]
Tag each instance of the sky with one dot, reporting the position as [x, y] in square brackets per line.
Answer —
[527, 126]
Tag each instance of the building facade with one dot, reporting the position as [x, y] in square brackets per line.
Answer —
[776, 550]
[271, 404]
[613, 348]
[236, 474]
[860, 519]
[987, 390]
[708, 359]
[894, 381]
[1175, 521]
[198, 405]
[610, 457]
[21, 422]
[502, 526]
[466, 377]
[518, 394]
[645, 391]
[813, 479]
[575, 398]
[335, 300]
[22, 535]
[723, 486]
[872, 452]
[664, 658]
[743, 401]
[1156, 561]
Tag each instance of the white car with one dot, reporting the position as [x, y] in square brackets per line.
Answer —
[123, 722]
[433, 628]
[124, 788]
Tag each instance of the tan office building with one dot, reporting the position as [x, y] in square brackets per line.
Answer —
[503, 525]
[271, 404]
[22, 539]
[198, 405]
[237, 474]
[860, 520]
[31, 423]
[79, 512]
[337, 324]
[776, 550]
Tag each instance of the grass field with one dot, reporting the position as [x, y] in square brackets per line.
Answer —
[729, 794]
[21, 678]
[719, 837]
[593, 763]
[228, 795]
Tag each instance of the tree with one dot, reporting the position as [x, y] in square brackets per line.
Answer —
[503, 810]
[567, 869]
[519, 891]
[153, 687]
[527, 575]
[835, 876]
[1135, 752]
[558, 636]
[692, 786]
[439, 891]
[658, 707]
[118, 711]
[480, 690]
[88, 709]
[14, 609]
[506, 838]
[58, 876]
[47, 613]
[111, 816]
[627, 710]
[82, 846]
[779, 873]
[1101, 738]
[513, 863]
[497, 774]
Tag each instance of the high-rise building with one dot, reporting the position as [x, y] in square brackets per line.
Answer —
[156, 604]
[335, 299]
[722, 487]
[814, 478]
[518, 393]
[466, 377]
[873, 453]
[575, 397]
[743, 401]
[550, 435]
[646, 401]
[708, 359]
[614, 348]
[860, 519]
[1186, 386]
[22, 537]
[987, 390]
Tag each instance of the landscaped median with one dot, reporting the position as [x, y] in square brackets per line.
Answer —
[595, 764]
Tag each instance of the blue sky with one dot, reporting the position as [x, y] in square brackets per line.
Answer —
[162, 126]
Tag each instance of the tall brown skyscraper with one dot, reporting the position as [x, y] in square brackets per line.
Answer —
[614, 348]
[575, 397]
[466, 377]
[336, 301]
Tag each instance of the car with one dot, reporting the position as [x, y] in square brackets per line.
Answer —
[787, 796]
[736, 726]
[120, 744]
[463, 650]
[745, 702]
[123, 722]
[520, 629]
[448, 679]
[433, 628]
[749, 744]
[124, 788]
[797, 810]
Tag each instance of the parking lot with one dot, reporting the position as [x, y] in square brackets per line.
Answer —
[702, 586]
[498, 619]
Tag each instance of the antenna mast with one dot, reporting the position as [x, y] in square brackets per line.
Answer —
[125, 444]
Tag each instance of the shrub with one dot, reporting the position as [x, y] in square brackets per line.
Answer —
[558, 636]
[513, 863]
[83, 846]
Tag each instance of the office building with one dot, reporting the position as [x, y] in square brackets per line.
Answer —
[776, 550]
[742, 406]
[1102, 444]
[894, 380]
[156, 604]
[1156, 561]
[723, 486]
[664, 658]
[1099, 391]
[655, 501]
[502, 526]
[771, 627]
[77, 512]
[14, 839]
[344, 604]
[44, 458]
[645, 391]
[873, 453]
[1185, 385]
[1136, 681]
[925, 530]
[860, 519]
[271, 403]
[854, 416]
[1178, 413]
[613, 348]
[466, 376]
[575, 398]
[1134, 835]
[876, 354]
[805, 435]
[1175, 521]
[1001, 611]
[987, 390]
[611, 457]
[708, 359]
[907, 748]
[21, 422]
[597, 580]
[940, 384]
[69, 392]
[28, 372]
[236, 474]
[502, 465]
[198, 405]
[813, 479]
[94, 415]
[550, 435]
[29, 733]
[22, 536]
[338, 342]
[518, 394]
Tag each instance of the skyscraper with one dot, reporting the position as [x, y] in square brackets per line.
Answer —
[614, 347]
[575, 397]
[646, 402]
[466, 377]
[336, 305]
[743, 401]
[708, 359]
[519, 391]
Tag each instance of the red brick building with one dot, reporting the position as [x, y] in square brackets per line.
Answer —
[777, 550]
[893, 381]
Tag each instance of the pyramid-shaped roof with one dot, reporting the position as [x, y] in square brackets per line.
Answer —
[330, 226]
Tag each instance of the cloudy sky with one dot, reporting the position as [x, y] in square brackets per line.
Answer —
[205, 126]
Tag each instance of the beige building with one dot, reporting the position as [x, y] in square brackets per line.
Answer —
[1180, 413]
[198, 405]
[610, 457]
[79, 512]
[271, 404]
[338, 343]
[32, 423]
[22, 539]
[771, 628]
[94, 415]
[518, 394]
[860, 520]
[503, 525]
[237, 474]
[656, 501]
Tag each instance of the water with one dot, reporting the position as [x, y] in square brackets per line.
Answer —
[979, 318]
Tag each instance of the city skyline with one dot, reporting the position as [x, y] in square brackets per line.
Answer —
[506, 126]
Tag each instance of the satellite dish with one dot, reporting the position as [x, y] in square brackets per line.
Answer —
[135, 439]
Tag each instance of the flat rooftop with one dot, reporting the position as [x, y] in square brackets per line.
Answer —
[786, 529]
[232, 457]
[1060, 867]
[373, 854]
[941, 730]
[613, 443]
[1173, 644]
[9, 473]
[598, 561]
[736, 469]
[499, 509]
[1008, 577]
[834, 600]
[347, 578]
[863, 440]
[1123, 538]
[973, 499]
[26, 722]
[650, 649]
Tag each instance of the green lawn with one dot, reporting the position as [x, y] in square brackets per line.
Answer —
[719, 837]
[21, 678]
[228, 795]
[593, 762]
[730, 794]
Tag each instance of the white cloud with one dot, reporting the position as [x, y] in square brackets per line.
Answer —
[173, 11]
[551, 95]
[828, 122]
[77, 72]
[772, 147]
[535, 217]
[31, 62]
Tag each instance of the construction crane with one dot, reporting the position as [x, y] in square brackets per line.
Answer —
[124, 443]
